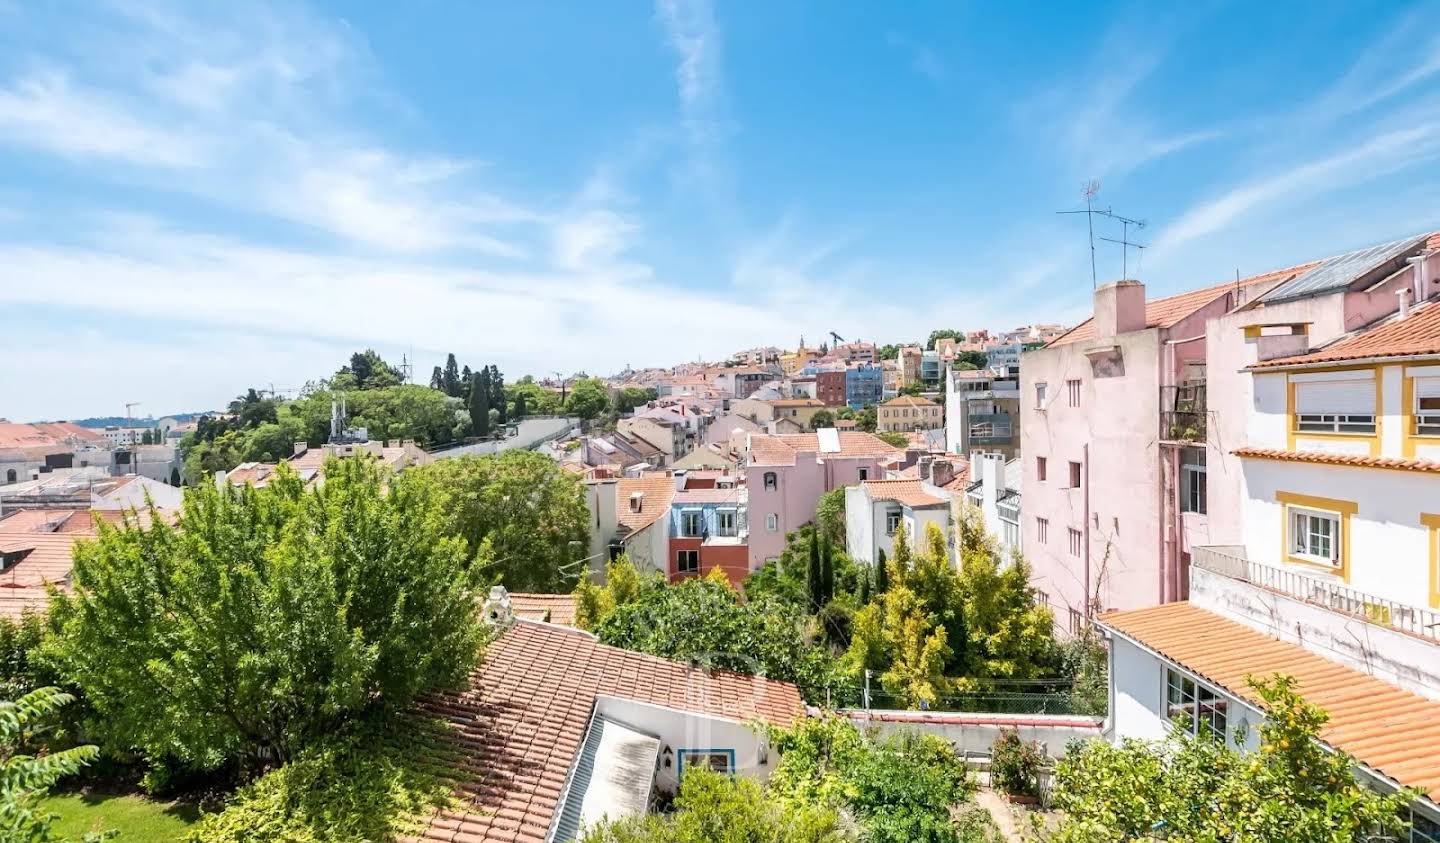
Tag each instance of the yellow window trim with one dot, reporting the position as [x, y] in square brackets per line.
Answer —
[1374, 440]
[1433, 539]
[1409, 439]
[1344, 509]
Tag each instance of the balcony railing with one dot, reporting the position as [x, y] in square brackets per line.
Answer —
[1182, 412]
[1231, 562]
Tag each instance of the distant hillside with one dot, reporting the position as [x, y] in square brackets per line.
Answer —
[120, 421]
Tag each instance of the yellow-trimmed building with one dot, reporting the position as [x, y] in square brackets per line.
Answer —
[908, 413]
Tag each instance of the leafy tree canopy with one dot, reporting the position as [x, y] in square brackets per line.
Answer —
[588, 399]
[520, 509]
[893, 438]
[25, 777]
[366, 370]
[822, 418]
[634, 396]
[266, 618]
[943, 334]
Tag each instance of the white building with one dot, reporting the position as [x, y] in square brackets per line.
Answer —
[875, 509]
[1336, 580]
[995, 490]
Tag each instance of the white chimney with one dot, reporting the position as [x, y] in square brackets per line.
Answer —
[498, 611]
[1404, 296]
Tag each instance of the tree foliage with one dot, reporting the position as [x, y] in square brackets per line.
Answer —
[623, 585]
[702, 619]
[588, 399]
[713, 808]
[479, 405]
[822, 419]
[893, 438]
[25, 777]
[265, 618]
[627, 399]
[1200, 788]
[366, 370]
[521, 506]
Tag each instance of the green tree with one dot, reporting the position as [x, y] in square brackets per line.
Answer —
[450, 382]
[519, 412]
[830, 516]
[827, 571]
[893, 439]
[943, 334]
[1195, 787]
[882, 573]
[25, 777]
[480, 404]
[822, 419]
[589, 399]
[865, 419]
[175, 475]
[975, 359]
[700, 618]
[889, 351]
[623, 585]
[1009, 633]
[529, 510]
[627, 399]
[814, 585]
[437, 379]
[265, 618]
[712, 807]
[497, 392]
[369, 371]
[915, 388]
[538, 400]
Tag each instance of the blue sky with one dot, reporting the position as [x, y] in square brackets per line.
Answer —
[196, 198]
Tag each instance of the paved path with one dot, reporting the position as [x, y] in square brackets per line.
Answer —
[1000, 812]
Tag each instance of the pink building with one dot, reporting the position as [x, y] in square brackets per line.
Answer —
[1111, 411]
[787, 473]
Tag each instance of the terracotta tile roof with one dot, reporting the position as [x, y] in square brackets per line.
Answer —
[550, 608]
[1162, 313]
[34, 520]
[909, 401]
[796, 402]
[47, 559]
[1354, 460]
[524, 717]
[658, 489]
[906, 492]
[1416, 335]
[781, 448]
[1384, 727]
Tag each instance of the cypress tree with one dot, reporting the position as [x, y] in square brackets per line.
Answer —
[519, 405]
[882, 576]
[450, 379]
[827, 573]
[466, 379]
[813, 575]
[862, 591]
[174, 476]
[479, 405]
[497, 391]
[437, 380]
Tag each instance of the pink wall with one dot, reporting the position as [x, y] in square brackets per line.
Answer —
[798, 493]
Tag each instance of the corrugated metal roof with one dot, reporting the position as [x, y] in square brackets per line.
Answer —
[1386, 728]
[1341, 271]
[612, 778]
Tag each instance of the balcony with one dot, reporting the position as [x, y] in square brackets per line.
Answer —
[1183, 413]
[1231, 562]
[989, 428]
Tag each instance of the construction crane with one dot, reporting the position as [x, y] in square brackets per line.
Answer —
[838, 339]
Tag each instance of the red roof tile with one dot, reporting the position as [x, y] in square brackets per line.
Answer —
[907, 492]
[550, 608]
[524, 717]
[658, 489]
[781, 448]
[1164, 312]
[1353, 460]
[46, 559]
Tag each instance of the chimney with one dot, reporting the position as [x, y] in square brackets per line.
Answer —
[299, 448]
[497, 607]
[942, 472]
[679, 476]
[1404, 296]
[1119, 308]
[925, 464]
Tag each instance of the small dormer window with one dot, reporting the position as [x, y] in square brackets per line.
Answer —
[637, 502]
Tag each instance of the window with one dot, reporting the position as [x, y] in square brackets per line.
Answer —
[1335, 406]
[1074, 475]
[863, 474]
[10, 476]
[725, 522]
[1040, 395]
[772, 522]
[691, 523]
[1072, 391]
[1076, 541]
[1198, 708]
[1042, 530]
[1192, 480]
[717, 760]
[1040, 469]
[1315, 535]
[687, 561]
[1427, 406]
[892, 522]
[1009, 533]
[1077, 622]
[771, 481]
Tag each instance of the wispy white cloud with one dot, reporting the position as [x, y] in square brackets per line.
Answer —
[923, 59]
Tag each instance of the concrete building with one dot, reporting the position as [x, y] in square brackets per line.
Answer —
[864, 385]
[1101, 484]
[909, 359]
[982, 411]
[876, 509]
[830, 387]
[798, 410]
[931, 368]
[994, 489]
[786, 475]
[856, 352]
[1003, 356]
[666, 432]
[741, 381]
[709, 529]
[907, 413]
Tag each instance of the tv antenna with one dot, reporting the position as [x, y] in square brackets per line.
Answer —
[1124, 241]
[1089, 191]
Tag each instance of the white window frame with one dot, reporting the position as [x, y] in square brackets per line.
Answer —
[1041, 387]
[772, 522]
[724, 529]
[680, 561]
[1294, 528]
[1330, 415]
[1427, 418]
[1186, 698]
[1194, 482]
[692, 518]
[892, 521]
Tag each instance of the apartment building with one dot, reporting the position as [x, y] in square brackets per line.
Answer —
[830, 387]
[786, 475]
[709, 529]
[907, 413]
[909, 360]
[798, 410]
[856, 352]
[864, 385]
[876, 509]
[982, 411]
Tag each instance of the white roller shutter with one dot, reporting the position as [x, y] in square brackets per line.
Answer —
[1427, 387]
[1335, 397]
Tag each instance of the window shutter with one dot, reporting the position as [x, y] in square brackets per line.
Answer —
[1427, 387]
[1337, 397]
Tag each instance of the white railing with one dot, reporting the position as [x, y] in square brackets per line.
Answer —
[1230, 561]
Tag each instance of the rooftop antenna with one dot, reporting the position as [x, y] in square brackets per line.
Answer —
[1089, 191]
[1124, 241]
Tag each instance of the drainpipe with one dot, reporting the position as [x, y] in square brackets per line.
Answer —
[1085, 497]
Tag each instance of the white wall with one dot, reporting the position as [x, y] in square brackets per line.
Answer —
[975, 733]
[680, 730]
[1137, 705]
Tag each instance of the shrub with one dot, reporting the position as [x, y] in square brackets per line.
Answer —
[1015, 764]
[24, 778]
